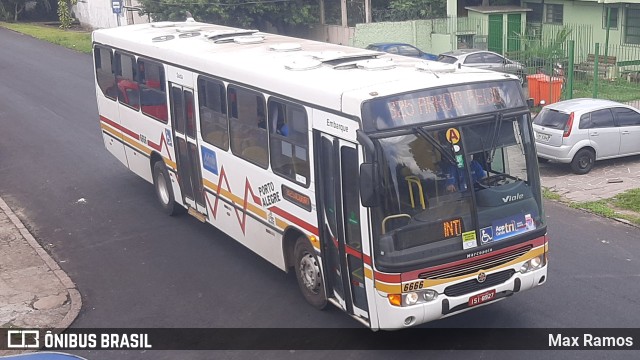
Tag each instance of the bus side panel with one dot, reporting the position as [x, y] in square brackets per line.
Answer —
[109, 124]
[234, 204]
[138, 151]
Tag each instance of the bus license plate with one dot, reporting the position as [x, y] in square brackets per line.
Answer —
[482, 298]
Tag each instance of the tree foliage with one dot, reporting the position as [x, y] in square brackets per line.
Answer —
[285, 15]
[401, 10]
[64, 12]
[10, 10]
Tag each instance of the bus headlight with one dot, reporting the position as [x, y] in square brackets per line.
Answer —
[430, 295]
[533, 264]
[412, 298]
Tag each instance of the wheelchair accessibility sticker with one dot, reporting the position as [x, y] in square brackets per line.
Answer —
[486, 235]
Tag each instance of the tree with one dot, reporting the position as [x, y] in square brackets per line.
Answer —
[401, 10]
[239, 13]
[64, 12]
[13, 8]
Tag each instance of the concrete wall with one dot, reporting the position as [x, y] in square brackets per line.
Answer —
[97, 14]
[418, 33]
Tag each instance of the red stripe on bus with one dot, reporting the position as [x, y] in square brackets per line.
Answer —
[413, 275]
[153, 145]
[352, 251]
[120, 127]
[296, 220]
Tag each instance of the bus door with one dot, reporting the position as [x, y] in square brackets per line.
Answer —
[341, 228]
[184, 133]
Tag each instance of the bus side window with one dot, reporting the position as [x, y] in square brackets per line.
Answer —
[289, 140]
[247, 133]
[153, 93]
[128, 89]
[213, 113]
[105, 76]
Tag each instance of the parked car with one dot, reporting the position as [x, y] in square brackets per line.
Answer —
[483, 59]
[581, 131]
[402, 49]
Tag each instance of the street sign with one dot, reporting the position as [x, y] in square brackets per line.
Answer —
[116, 6]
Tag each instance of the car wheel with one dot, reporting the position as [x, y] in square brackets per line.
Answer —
[583, 161]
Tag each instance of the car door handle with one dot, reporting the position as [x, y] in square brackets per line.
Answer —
[594, 134]
[626, 132]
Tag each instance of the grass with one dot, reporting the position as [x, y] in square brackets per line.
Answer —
[623, 206]
[548, 194]
[618, 89]
[72, 39]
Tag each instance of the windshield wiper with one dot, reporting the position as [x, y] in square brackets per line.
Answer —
[436, 144]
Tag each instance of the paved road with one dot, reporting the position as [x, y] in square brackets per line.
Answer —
[135, 267]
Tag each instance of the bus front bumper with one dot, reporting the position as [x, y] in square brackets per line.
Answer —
[395, 317]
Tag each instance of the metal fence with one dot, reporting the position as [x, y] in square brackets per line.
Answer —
[564, 63]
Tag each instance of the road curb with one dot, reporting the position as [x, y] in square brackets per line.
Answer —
[74, 295]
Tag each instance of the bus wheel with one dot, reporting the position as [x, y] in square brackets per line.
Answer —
[308, 273]
[164, 191]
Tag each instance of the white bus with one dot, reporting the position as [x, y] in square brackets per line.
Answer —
[399, 190]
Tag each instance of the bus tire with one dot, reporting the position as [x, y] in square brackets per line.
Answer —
[164, 190]
[309, 274]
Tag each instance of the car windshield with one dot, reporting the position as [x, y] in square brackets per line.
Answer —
[551, 118]
[447, 59]
[446, 191]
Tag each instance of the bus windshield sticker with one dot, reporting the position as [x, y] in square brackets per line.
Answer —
[507, 227]
[469, 240]
[296, 198]
[441, 104]
[453, 135]
[209, 160]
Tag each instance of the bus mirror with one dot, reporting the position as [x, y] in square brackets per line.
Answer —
[368, 194]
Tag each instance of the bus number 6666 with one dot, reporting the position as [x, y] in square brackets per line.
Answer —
[413, 286]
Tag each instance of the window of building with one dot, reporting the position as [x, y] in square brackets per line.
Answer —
[212, 100]
[554, 14]
[613, 19]
[128, 91]
[632, 26]
[247, 125]
[535, 15]
[153, 91]
[289, 138]
[105, 76]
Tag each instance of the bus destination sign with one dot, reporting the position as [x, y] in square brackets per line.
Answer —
[441, 104]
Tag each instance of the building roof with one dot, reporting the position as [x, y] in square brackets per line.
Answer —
[497, 9]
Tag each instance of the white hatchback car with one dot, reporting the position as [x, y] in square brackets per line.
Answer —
[581, 131]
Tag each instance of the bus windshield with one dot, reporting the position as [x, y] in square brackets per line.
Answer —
[448, 191]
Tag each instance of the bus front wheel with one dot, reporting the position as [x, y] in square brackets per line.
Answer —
[164, 190]
[309, 274]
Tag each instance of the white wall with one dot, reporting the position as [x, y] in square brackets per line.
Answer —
[97, 14]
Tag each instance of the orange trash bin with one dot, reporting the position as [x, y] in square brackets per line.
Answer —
[533, 83]
[550, 89]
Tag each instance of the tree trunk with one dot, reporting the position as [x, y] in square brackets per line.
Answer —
[485, 2]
